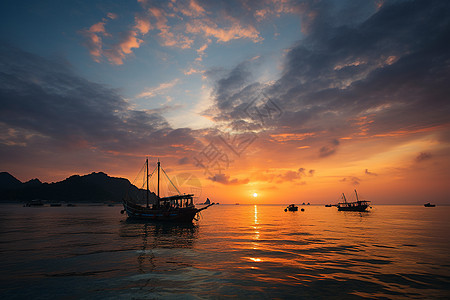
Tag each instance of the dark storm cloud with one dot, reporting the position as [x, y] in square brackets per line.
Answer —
[390, 66]
[394, 64]
[45, 104]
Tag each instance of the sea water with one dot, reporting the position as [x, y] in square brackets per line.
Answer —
[232, 251]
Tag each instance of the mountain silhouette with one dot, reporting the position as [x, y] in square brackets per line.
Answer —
[95, 187]
[7, 181]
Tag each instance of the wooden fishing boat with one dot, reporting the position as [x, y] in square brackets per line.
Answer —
[358, 205]
[429, 205]
[177, 208]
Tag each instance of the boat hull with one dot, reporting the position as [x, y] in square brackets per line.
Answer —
[354, 208]
[185, 214]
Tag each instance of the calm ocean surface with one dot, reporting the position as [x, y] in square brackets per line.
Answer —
[243, 251]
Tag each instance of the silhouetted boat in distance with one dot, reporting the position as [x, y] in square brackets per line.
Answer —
[35, 202]
[177, 208]
[291, 207]
[328, 205]
[429, 205]
[358, 205]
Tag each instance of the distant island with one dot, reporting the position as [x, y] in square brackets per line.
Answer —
[95, 187]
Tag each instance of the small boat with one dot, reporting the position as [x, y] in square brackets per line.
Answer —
[429, 205]
[291, 207]
[328, 205]
[34, 202]
[177, 208]
[358, 205]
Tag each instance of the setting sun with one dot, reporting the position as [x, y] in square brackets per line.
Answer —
[255, 195]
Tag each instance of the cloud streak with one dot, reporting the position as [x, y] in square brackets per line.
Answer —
[154, 91]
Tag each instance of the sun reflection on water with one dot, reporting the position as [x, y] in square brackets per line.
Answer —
[256, 227]
[255, 243]
[255, 259]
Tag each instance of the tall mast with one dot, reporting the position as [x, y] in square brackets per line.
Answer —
[158, 177]
[343, 196]
[146, 167]
[356, 195]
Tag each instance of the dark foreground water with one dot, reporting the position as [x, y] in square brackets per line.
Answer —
[255, 252]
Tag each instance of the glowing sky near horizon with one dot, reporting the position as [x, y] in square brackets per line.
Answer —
[292, 101]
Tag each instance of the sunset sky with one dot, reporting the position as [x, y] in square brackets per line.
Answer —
[296, 101]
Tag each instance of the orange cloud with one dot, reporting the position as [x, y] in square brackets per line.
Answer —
[412, 131]
[93, 40]
[363, 124]
[117, 54]
[130, 42]
[260, 14]
[275, 7]
[143, 25]
[192, 71]
[201, 51]
[233, 32]
[196, 7]
[98, 27]
[193, 10]
[178, 40]
[152, 92]
[169, 38]
[286, 137]
[161, 20]
[391, 59]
